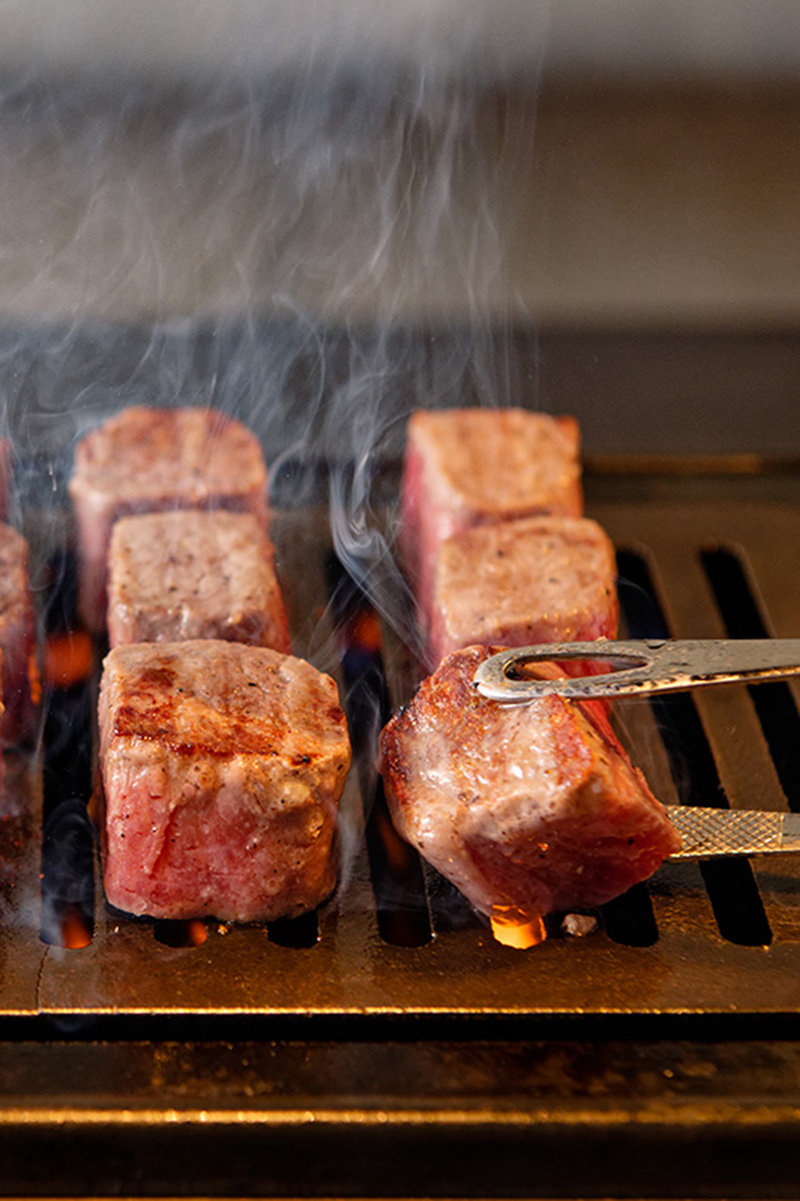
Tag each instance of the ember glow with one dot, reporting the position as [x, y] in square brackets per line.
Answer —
[67, 659]
[515, 928]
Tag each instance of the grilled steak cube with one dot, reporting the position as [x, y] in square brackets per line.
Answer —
[146, 460]
[536, 579]
[468, 467]
[222, 766]
[192, 574]
[17, 639]
[531, 807]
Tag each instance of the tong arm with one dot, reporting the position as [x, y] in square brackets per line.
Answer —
[648, 666]
[708, 833]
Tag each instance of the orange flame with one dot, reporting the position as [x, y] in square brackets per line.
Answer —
[365, 631]
[514, 927]
[196, 932]
[67, 659]
[75, 932]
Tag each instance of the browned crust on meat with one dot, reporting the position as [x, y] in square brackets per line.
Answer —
[535, 579]
[222, 767]
[533, 806]
[17, 637]
[192, 452]
[220, 699]
[501, 461]
[192, 574]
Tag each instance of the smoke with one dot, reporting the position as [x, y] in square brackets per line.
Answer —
[319, 247]
[315, 240]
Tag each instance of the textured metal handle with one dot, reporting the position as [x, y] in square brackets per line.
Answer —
[710, 832]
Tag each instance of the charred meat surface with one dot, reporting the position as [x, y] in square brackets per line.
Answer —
[538, 579]
[147, 460]
[535, 807]
[191, 574]
[222, 767]
[17, 639]
[468, 467]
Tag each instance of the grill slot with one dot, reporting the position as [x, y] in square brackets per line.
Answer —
[396, 872]
[773, 702]
[67, 876]
[299, 932]
[630, 920]
[731, 888]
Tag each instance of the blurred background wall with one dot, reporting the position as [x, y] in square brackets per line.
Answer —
[579, 163]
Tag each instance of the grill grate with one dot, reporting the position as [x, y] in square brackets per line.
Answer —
[715, 938]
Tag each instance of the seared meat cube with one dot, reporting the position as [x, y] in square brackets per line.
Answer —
[17, 639]
[222, 766]
[531, 807]
[468, 467]
[147, 460]
[537, 579]
[191, 574]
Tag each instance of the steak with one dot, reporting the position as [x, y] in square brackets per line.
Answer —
[222, 766]
[17, 639]
[146, 460]
[192, 574]
[531, 807]
[468, 467]
[536, 579]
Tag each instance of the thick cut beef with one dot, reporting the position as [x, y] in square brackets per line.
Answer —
[468, 467]
[146, 460]
[193, 574]
[535, 807]
[222, 766]
[17, 639]
[536, 579]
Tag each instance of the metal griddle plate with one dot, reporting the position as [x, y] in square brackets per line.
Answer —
[690, 968]
[459, 1067]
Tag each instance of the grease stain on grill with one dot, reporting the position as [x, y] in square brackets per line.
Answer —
[731, 886]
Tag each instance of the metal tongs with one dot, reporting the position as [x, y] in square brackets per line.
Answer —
[650, 668]
[647, 668]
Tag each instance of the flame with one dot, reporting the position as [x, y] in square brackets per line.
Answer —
[34, 679]
[67, 659]
[196, 932]
[365, 631]
[514, 927]
[74, 930]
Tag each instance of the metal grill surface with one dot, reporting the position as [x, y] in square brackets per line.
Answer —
[689, 961]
